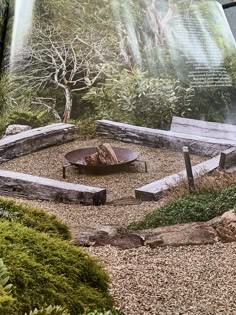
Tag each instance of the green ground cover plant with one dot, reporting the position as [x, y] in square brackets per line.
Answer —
[33, 218]
[45, 271]
[198, 207]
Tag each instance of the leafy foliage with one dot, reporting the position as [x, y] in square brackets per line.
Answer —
[33, 119]
[4, 278]
[5, 289]
[50, 310]
[134, 97]
[190, 208]
[58, 310]
[211, 104]
[33, 218]
[126, 34]
[48, 271]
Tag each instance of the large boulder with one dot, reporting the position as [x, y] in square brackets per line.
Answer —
[226, 227]
[108, 235]
[196, 233]
[14, 129]
[219, 229]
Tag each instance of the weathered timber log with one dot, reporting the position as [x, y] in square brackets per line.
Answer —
[162, 138]
[36, 139]
[34, 187]
[105, 155]
[155, 190]
[228, 158]
[203, 128]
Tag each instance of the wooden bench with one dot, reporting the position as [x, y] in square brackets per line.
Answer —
[34, 187]
[201, 145]
[203, 128]
[36, 139]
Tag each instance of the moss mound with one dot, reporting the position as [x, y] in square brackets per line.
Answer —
[33, 218]
[49, 271]
[190, 208]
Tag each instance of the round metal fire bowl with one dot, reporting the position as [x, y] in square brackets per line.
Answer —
[77, 158]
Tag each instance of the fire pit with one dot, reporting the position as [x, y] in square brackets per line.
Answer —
[77, 158]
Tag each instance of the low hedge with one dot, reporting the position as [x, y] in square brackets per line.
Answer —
[191, 208]
[30, 217]
[49, 271]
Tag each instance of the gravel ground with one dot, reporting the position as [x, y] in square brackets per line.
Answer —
[77, 216]
[194, 280]
[48, 163]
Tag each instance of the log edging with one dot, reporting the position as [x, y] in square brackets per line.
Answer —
[35, 139]
[161, 138]
[198, 144]
[155, 190]
[35, 187]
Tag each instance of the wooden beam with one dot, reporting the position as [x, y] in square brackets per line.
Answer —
[155, 190]
[161, 138]
[203, 128]
[34, 187]
[35, 139]
[228, 158]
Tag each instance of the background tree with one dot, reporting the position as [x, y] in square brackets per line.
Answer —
[71, 63]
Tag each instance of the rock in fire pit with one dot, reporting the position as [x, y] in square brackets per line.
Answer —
[105, 155]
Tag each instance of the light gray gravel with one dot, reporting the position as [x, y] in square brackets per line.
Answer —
[194, 280]
[77, 216]
[48, 163]
[199, 280]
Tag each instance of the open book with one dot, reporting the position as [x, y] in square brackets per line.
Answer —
[135, 61]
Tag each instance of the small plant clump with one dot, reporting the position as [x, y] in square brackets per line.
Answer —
[198, 207]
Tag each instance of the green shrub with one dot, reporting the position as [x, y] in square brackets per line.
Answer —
[211, 104]
[190, 208]
[33, 218]
[132, 96]
[29, 118]
[50, 310]
[5, 289]
[87, 126]
[49, 271]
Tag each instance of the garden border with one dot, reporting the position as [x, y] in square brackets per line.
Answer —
[161, 138]
[198, 144]
[34, 187]
[35, 139]
[155, 190]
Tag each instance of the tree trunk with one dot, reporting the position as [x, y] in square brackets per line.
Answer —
[68, 106]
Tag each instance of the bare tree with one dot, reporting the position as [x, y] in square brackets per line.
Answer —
[71, 62]
[157, 23]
